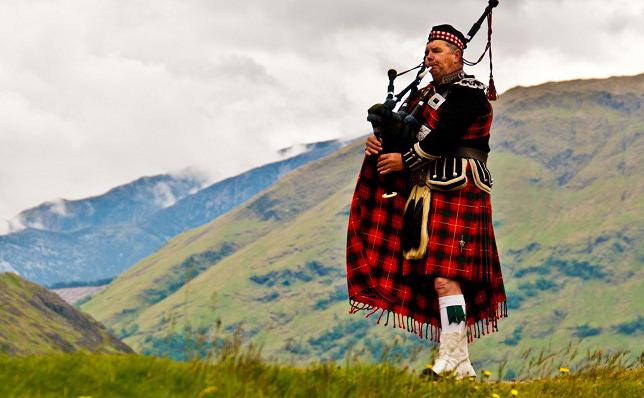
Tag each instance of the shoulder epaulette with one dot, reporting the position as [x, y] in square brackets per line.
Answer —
[471, 82]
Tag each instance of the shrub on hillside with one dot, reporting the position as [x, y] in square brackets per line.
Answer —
[540, 285]
[288, 277]
[515, 337]
[338, 294]
[577, 269]
[128, 331]
[514, 300]
[542, 269]
[633, 327]
[586, 331]
[334, 342]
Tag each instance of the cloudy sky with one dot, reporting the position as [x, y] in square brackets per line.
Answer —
[95, 93]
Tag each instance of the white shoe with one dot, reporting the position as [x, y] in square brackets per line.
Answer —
[453, 356]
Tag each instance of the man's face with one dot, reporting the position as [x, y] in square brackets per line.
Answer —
[440, 57]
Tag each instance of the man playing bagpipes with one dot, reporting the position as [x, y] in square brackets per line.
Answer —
[421, 251]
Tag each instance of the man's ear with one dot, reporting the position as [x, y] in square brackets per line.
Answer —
[459, 55]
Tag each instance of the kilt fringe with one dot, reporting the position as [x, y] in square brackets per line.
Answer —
[476, 330]
[431, 332]
[398, 321]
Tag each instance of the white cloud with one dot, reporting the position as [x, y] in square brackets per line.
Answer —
[163, 195]
[58, 206]
[97, 93]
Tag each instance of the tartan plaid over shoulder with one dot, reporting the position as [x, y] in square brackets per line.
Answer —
[478, 129]
[462, 120]
[399, 292]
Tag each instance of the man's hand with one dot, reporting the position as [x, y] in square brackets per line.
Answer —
[390, 162]
[373, 145]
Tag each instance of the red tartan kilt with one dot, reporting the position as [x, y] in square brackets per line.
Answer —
[379, 278]
[461, 237]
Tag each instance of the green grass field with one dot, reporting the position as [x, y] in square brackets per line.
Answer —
[242, 373]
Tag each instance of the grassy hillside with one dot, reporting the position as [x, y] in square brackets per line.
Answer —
[100, 375]
[34, 320]
[568, 216]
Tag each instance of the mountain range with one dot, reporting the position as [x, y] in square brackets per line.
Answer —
[99, 237]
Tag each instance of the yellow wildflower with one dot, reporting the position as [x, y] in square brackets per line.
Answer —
[487, 373]
[563, 370]
[514, 392]
[495, 395]
[428, 366]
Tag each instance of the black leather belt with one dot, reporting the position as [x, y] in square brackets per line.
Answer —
[473, 153]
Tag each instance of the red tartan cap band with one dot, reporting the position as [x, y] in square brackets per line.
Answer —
[449, 34]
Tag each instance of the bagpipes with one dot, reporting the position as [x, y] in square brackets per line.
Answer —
[397, 130]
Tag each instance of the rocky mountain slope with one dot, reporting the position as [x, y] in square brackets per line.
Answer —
[568, 217]
[34, 320]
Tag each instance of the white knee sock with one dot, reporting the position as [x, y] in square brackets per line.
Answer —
[452, 309]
